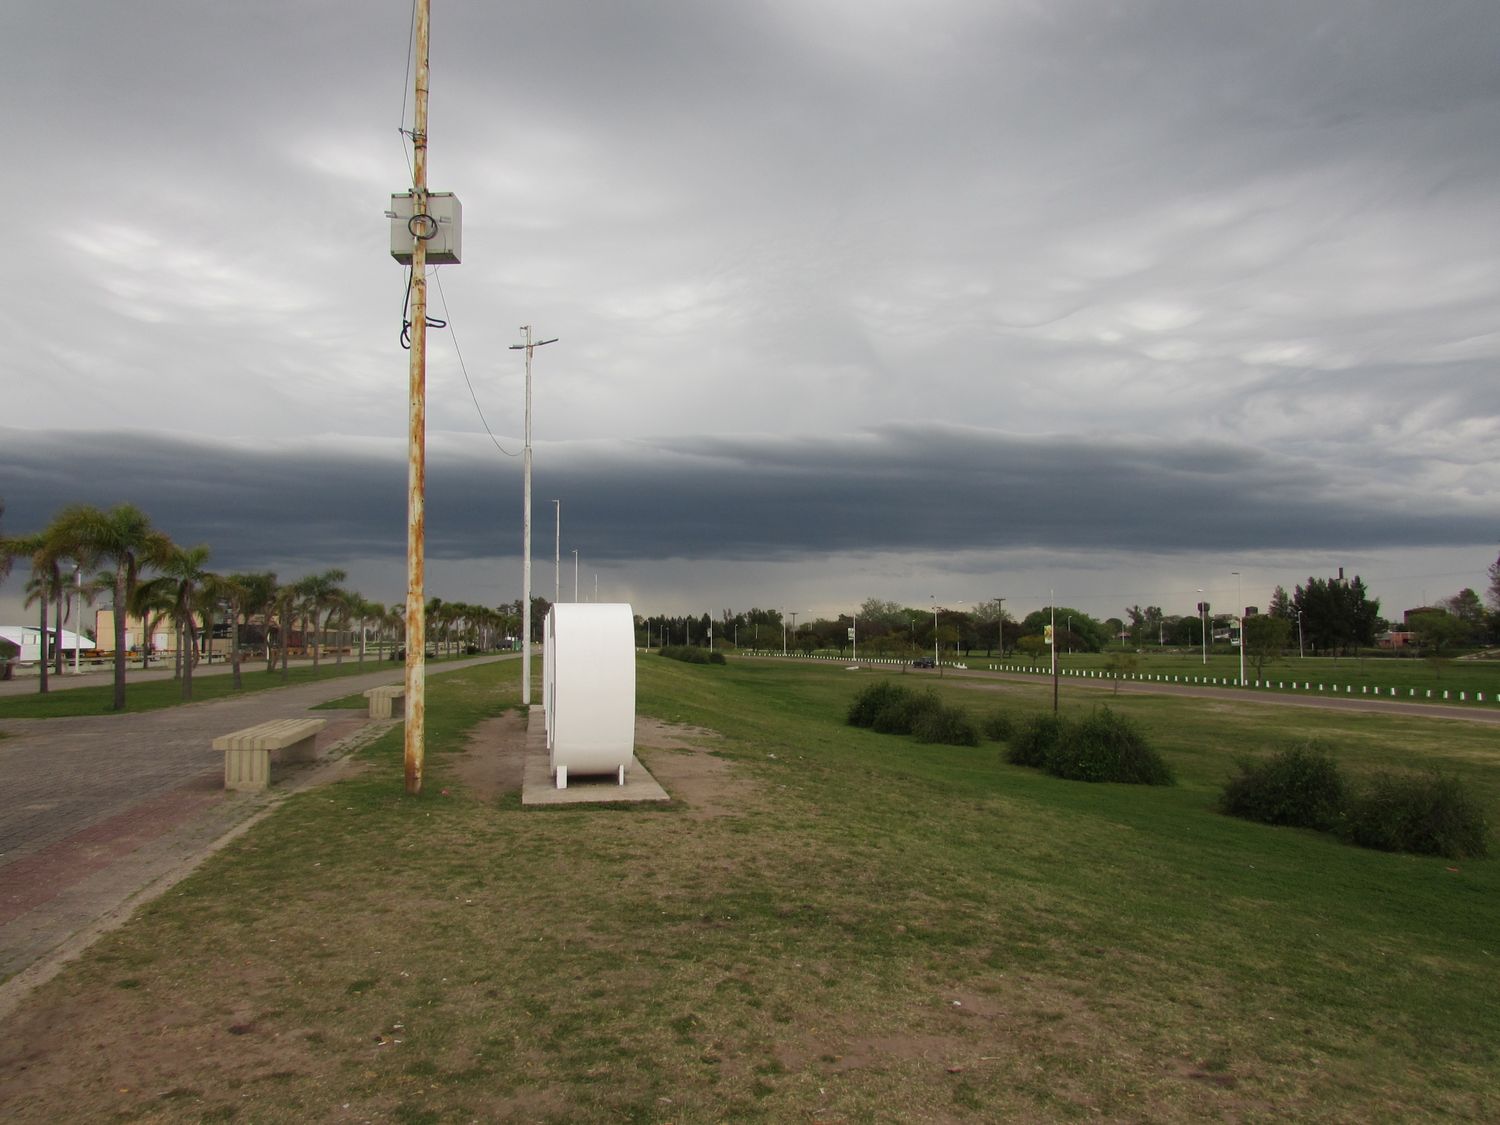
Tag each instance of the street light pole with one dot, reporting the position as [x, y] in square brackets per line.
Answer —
[1203, 624]
[1240, 593]
[528, 347]
[936, 660]
[557, 556]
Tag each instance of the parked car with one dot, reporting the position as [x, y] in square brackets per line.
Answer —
[923, 662]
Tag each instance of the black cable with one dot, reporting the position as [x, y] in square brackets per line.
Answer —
[432, 321]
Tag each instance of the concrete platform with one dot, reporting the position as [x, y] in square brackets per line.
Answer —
[537, 787]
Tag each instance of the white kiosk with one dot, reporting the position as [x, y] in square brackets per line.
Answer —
[588, 690]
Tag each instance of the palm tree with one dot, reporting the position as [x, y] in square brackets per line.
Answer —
[150, 601]
[393, 622]
[248, 595]
[38, 589]
[365, 612]
[285, 603]
[183, 577]
[124, 538]
[320, 592]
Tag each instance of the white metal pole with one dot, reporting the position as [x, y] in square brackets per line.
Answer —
[526, 539]
[78, 623]
[557, 556]
[529, 346]
[1240, 591]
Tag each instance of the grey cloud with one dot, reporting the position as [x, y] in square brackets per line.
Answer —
[897, 489]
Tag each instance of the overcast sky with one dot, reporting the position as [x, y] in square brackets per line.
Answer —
[911, 299]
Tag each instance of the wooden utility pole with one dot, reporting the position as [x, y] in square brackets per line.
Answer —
[416, 476]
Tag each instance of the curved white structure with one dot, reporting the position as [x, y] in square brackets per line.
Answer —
[588, 690]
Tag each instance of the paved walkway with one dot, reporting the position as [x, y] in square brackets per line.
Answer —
[99, 809]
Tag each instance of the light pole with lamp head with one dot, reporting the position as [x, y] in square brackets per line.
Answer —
[1240, 593]
[1203, 624]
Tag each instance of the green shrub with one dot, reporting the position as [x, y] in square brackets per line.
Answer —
[1034, 740]
[1301, 787]
[1105, 746]
[998, 726]
[691, 654]
[946, 726]
[872, 699]
[901, 714]
[1423, 813]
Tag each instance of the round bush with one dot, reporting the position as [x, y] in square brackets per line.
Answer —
[998, 726]
[1106, 747]
[1301, 787]
[946, 726]
[1034, 739]
[874, 698]
[1425, 814]
[900, 715]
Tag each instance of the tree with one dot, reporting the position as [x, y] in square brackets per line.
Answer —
[183, 578]
[284, 603]
[1265, 637]
[1438, 633]
[1032, 646]
[320, 593]
[34, 548]
[1084, 634]
[1337, 615]
[123, 538]
[1281, 605]
[1466, 606]
[990, 618]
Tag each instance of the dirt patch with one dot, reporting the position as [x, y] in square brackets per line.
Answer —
[494, 761]
[682, 760]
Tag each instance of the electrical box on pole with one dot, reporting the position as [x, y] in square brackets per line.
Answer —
[441, 227]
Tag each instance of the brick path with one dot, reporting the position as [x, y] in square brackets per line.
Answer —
[96, 810]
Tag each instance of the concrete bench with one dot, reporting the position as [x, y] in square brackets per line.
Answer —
[247, 753]
[387, 702]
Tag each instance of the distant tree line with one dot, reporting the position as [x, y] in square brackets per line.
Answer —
[87, 553]
[1331, 616]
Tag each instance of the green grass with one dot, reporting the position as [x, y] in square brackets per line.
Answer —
[153, 695]
[877, 931]
[1468, 676]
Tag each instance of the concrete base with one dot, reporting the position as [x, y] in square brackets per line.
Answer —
[538, 787]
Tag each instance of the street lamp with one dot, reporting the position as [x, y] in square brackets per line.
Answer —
[1240, 592]
[1203, 623]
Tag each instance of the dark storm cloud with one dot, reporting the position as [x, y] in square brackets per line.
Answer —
[898, 488]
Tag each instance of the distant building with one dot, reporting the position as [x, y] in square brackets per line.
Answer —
[1409, 614]
[23, 643]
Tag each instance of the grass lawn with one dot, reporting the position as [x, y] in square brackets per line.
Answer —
[860, 928]
[1403, 673]
[153, 695]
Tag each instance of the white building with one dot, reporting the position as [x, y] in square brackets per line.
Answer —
[23, 643]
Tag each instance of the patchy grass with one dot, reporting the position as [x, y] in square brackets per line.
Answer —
[877, 931]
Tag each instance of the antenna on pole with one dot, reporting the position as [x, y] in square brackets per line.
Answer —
[529, 346]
